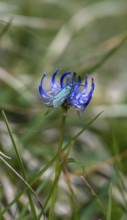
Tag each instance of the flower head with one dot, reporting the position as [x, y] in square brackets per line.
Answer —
[69, 92]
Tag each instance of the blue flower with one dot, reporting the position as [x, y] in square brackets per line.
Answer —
[69, 92]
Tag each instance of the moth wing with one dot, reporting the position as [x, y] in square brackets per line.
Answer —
[60, 97]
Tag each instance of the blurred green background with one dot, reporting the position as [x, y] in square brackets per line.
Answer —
[81, 36]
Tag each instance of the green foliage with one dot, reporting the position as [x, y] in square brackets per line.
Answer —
[90, 180]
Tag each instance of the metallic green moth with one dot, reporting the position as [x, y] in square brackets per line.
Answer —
[60, 97]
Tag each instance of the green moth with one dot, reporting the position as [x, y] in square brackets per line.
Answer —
[60, 97]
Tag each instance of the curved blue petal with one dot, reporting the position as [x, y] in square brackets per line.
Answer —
[85, 85]
[54, 86]
[76, 88]
[92, 88]
[62, 79]
[41, 90]
[92, 85]
[47, 103]
[84, 89]
[87, 99]
[73, 77]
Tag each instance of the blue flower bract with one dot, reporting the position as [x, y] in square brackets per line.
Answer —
[69, 92]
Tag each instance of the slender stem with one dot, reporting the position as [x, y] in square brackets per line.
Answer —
[60, 143]
[58, 164]
[100, 204]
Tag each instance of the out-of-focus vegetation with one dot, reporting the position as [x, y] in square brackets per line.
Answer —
[82, 36]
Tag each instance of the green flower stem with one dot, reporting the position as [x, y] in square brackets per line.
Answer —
[60, 143]
[58, 164]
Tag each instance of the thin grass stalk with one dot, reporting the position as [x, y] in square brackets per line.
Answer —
[100, 204]
[20, 164]
[72, 195]
[109, 208]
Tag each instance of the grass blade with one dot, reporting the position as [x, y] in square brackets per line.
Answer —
[20, 164]
[109, 209]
